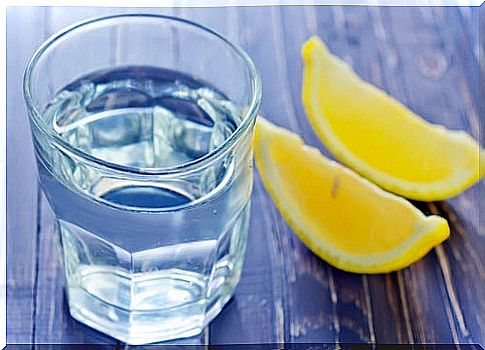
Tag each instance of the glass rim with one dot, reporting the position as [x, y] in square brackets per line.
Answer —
[249, 114]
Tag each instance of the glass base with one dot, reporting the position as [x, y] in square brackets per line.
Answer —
[144, 325]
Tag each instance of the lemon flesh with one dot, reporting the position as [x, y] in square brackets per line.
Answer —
[343, 218]
[379, 137]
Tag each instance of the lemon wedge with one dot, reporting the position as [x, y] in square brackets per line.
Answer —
[380, 138]
[342, 217]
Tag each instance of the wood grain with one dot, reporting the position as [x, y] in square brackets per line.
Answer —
[350, 319]
[22, 194]
[425, 57]
[436, 69]
[251, 311]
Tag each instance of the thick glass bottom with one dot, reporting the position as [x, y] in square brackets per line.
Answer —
[141, 324]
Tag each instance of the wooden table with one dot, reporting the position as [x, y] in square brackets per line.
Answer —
[425, 57]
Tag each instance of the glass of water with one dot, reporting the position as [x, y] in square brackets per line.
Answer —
[142, 127]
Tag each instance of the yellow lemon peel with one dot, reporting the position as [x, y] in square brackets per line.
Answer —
[342, 217]
[381, 139]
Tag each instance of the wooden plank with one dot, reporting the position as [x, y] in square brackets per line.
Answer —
[462, 271]
[460, 264]
[481, 113]
[265, 315]
[254, 315]
[336, 307]
[422, 302]
[364, 43]
[22, 189]
[303, 294]
[389, 308]
[62, 16]
[427, 54]
[356, 42]
[256, 309]
[53, 323]
[340, 27]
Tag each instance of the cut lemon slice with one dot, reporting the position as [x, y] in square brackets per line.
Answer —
[342, 217]
[379, 137]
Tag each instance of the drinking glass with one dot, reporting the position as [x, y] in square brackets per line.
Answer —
[142, 127]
